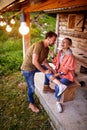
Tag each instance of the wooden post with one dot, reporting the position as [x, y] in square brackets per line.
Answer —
[26, 38]
[57, 32]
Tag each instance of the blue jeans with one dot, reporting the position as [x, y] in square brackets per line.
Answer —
[29, 77]
[62, 80]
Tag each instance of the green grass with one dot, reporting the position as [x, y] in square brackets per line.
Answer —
[14, 112]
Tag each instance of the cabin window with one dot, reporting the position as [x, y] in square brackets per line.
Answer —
[71, 21]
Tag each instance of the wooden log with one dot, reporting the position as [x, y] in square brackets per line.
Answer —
[74, 34]
[4, 3]
[26, 38]
[53, 4]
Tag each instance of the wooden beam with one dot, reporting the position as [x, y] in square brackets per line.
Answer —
[4, 3]
[26, 38]
[51, 4]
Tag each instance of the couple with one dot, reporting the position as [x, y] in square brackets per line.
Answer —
[36, 61]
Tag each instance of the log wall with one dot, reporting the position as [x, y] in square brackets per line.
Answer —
[74, 26]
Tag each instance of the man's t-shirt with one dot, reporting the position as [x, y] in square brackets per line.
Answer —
[37, 48]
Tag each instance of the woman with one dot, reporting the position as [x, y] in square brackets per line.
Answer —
[64, 70]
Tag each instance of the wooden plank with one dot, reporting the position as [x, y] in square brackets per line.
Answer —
[79, 22]
[27, 37]
[4, 3]
[71, 21]
[51, 4]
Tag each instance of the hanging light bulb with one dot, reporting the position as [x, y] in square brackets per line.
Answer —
[1, 16]
[23, 29]
[12, 21]
[4, 23]
[8, 28]
[1, 23]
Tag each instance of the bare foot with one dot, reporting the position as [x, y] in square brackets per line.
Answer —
[33, 108]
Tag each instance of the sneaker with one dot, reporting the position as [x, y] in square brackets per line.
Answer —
[62, 88]
[59, 107]
[48, 89]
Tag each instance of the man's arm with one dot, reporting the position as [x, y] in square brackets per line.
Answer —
[35, 61]
[48, 66]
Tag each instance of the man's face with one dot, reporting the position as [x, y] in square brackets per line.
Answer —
[52, 41]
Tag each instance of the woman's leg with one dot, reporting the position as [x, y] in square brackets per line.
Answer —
[46, 87]
[61, 86]
[58, 103]
[63, 81]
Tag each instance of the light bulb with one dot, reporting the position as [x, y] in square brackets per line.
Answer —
[4, 23]
[12, 21]
[1, 23]
[8, 28]
[23, 29]
[1, 16]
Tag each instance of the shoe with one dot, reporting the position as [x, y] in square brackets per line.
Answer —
[48, 89]
[62, 88]
[59, 107]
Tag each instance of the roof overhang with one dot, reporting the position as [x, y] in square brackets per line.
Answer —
[42, 5]
[57, 4]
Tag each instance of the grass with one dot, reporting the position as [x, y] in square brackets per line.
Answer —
[14, 112]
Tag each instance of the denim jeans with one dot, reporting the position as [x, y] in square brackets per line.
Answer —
[62, 80]
[29, 77]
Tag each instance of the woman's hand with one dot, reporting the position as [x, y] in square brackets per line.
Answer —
[52, 77]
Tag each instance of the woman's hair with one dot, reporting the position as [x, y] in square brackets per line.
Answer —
[50, 34]
[70, 41]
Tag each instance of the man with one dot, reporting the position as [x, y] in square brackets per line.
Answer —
[37, 55]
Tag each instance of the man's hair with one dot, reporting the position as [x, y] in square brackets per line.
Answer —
[70, 41]
[50, 34]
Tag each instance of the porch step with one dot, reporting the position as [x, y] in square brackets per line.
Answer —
[74, 116]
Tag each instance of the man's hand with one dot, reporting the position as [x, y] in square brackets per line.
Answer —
[47, 72]
[57, 74]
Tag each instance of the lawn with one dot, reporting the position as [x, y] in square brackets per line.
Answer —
[14, 112]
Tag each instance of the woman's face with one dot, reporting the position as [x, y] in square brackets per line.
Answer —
[65, 44]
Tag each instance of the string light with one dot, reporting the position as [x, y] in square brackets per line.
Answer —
[2, 22]
[23, 29]
[12, 21]
[8, 28]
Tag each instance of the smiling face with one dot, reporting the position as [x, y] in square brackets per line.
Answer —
[51, 40]
[65, 44]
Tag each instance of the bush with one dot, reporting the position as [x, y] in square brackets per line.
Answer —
[10, 62]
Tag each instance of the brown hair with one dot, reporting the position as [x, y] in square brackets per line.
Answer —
[70, 41]
[50, 34]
